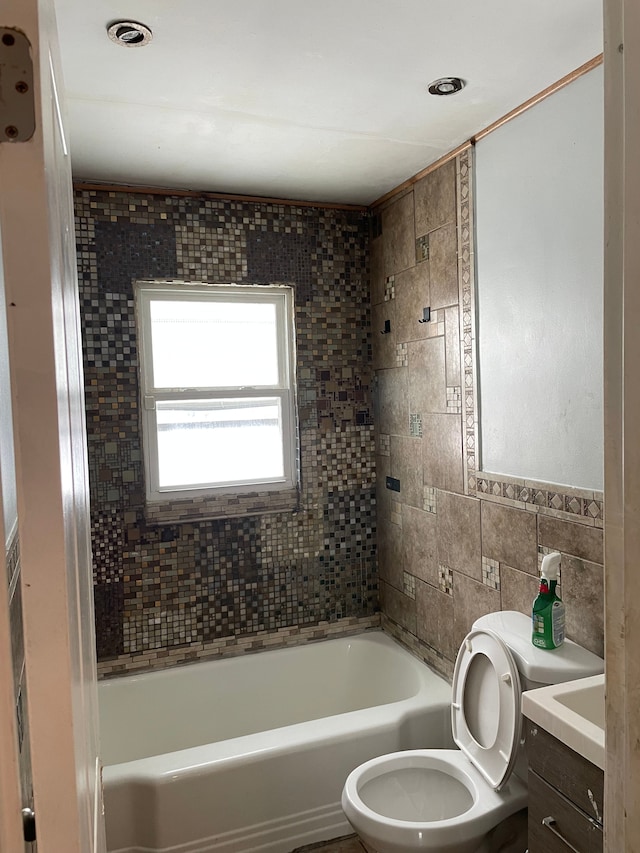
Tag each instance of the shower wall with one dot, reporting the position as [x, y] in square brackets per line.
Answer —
[175, 591]
[455, 543]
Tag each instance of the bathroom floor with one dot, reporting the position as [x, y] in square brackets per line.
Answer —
[345, 844]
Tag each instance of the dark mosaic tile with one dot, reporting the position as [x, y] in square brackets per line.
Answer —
[128, 250]
[274, 257]
[108, 602]
[349, 519]
[107, 545]
[162, 586]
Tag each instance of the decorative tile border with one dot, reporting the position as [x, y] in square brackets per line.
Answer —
[384, 444]
[389, 288]
[429, 499]
[415, 424]
[201, 509]
[454, 399]
[466, 288]
[422, 248]
[234, 646]
[409, 585]
[579, 505]
[395, 512]
[491, 573]
[445, 579]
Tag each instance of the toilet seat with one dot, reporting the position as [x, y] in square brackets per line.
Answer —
[485, 710]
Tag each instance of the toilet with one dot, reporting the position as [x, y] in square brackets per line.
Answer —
[452, 800]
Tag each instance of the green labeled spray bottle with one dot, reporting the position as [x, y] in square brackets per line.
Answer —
[548, 610]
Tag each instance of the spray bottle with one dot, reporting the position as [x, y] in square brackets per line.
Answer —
[548, 610]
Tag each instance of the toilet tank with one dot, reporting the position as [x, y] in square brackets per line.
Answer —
[539, 667]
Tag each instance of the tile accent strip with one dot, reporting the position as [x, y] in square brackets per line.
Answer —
[389, 288]
[429, 499]
[384, 444]
[454, 399]
[409, 585]
[422, 248]
[402, 355]
[466, 290]
[233, 646]
[415, 424]
[491, 573]
[445, 579]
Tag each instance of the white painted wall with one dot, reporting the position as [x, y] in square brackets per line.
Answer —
[539, 220]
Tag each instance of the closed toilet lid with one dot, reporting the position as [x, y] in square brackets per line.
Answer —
[485, 711]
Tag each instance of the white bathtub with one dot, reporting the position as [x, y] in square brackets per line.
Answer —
[251, 753]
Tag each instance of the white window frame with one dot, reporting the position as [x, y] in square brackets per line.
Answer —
[281, 296]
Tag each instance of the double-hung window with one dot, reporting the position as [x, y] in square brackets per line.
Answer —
[217, 389]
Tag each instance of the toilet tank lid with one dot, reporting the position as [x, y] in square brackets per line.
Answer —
[545, 666]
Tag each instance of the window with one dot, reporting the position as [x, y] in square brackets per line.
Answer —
[216, 375]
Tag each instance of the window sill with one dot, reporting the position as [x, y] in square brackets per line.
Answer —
[222, 506]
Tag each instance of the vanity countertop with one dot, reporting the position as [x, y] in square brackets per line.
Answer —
[573, 712]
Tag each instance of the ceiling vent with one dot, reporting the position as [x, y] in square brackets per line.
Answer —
[129, 33]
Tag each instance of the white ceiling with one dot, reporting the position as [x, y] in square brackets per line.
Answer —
[323, 101]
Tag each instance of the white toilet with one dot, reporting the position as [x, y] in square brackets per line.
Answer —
[450, 800]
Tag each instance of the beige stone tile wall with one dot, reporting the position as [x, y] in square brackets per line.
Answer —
[455, 543]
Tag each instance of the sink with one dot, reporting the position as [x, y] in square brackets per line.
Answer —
[588, 702]
[573, 712]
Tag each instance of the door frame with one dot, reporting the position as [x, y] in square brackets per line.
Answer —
[40, 273]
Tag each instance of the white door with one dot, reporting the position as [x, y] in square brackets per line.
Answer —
[36, 227]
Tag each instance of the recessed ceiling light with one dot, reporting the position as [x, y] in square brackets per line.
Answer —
[129, 33]
[446, 86]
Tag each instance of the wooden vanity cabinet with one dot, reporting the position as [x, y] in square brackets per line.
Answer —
[566, 797]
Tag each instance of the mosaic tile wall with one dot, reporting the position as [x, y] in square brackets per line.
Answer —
[169, 592]
[454, 542]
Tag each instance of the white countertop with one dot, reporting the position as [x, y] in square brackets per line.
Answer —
[573, 712]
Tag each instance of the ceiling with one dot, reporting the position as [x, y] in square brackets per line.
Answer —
[322, 101]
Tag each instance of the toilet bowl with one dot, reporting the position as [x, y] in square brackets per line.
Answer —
[426, 799]
[450, 800]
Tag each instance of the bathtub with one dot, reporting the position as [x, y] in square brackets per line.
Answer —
[251, 753]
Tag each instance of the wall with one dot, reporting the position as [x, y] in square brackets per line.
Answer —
[172, 592]
[454, 544]
[550, 213]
